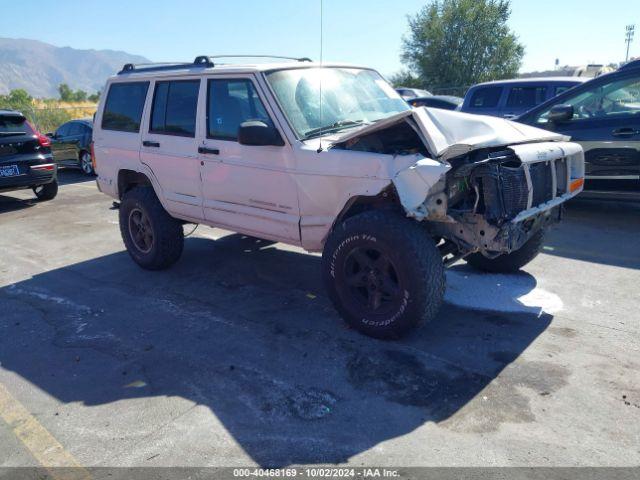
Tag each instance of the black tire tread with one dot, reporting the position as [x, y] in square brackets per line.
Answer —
[427, 268]
[168, 232]
[510, 262]
[49, 191]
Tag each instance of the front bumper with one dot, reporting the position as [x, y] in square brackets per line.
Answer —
[518, 192]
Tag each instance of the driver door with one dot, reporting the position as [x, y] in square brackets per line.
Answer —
[606, 122]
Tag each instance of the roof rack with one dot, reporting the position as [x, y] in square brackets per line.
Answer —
[201, 61]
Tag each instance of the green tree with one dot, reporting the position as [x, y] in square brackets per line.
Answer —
[406, 79]
[79, 96]
[66, 94]
[454, 43]
[95, 97]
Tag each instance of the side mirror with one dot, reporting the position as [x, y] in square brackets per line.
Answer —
[255, 132]
[561, 113]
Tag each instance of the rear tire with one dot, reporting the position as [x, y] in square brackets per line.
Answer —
[48, 191]
[153, 238]
[510, 262]
[383, 273]
[85, 163]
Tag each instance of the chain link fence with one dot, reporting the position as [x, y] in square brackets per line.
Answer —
[48, 118]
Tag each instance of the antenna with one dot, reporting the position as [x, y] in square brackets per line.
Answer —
[320, 87]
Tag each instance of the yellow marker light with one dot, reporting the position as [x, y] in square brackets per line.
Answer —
[576, 184]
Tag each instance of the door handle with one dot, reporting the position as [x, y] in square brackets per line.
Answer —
[211, 151]
[625, 132]
[148, 143]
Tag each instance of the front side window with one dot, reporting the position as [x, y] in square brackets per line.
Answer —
[486, 97]
[229, 103]
[350, 96]
[617, 99]
[526, 97]
[175, 104]
[124, 105]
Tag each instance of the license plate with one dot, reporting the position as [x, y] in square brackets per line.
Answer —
[9, 171]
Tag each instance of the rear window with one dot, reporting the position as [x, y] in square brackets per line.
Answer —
[174, 108]
[526, 97]
[123, 108]
[14, 124]
[485, 97]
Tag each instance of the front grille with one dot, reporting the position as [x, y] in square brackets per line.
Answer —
[514, 190]
[541, 182]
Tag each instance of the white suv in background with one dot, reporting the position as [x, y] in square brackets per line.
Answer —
[329, 158]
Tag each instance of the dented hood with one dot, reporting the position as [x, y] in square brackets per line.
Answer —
[448, 134]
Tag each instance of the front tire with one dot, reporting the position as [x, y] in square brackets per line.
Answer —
[383, 273]
[45, 192]
[509, 262]
[153, 238]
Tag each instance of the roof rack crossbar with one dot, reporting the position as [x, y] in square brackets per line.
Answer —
[200, 62]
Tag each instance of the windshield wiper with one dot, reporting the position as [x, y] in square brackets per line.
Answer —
[334, 127]
[11, 134]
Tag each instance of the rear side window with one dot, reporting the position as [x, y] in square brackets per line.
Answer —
[486, 97]
[124, 105]
[229, 103]
[175, 104]
[526, 97]
[14, 124]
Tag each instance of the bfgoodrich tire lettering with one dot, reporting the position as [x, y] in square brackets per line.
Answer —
[160, 243]
[510, 262]
[383, 273]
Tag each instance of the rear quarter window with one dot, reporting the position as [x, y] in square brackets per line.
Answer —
[124, 105]
[485, 97]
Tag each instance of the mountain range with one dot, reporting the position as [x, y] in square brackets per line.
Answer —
[39, 67]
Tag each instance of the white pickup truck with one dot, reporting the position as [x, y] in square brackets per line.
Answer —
[331, 159]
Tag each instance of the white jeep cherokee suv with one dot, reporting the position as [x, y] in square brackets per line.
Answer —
[329, 158]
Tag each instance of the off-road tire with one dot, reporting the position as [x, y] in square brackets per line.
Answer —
[510, 262]
[167, 234]
[45, 192]
[414, 257]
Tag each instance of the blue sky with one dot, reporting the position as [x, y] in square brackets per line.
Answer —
[365, 32]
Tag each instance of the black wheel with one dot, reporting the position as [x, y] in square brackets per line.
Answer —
[510, 262]
[86, 165]
[153, 238]
[48, 191]
[383, 273]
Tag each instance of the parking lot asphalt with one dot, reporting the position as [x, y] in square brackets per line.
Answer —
[236, 357]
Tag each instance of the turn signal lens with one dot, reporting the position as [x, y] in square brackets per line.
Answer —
[576, 184]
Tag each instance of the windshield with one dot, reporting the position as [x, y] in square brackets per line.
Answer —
[350, 97]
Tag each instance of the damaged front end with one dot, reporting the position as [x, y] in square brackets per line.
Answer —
[480, 183]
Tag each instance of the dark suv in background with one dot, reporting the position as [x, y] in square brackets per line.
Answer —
[603, 115]
[71, 145]
[25, 157]
[510, 98]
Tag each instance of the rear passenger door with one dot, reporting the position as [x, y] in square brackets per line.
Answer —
[170, 143]
[250, 189]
